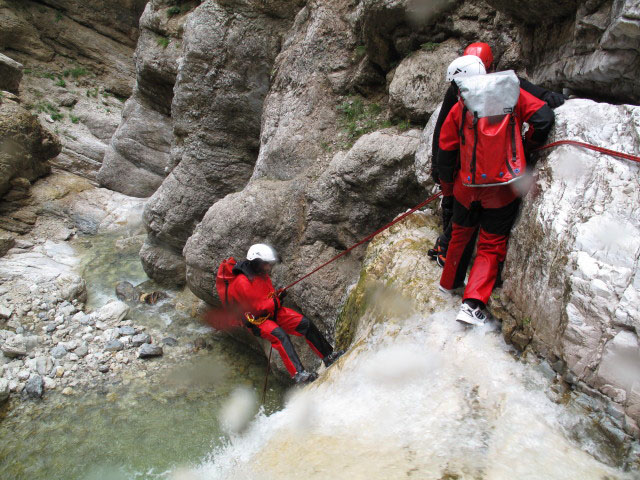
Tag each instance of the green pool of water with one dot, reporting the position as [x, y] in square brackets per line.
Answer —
[139, 430]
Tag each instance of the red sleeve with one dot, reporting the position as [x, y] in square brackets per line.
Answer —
[449, 134]
[527, 105]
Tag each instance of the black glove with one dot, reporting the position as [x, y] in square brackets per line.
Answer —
[281, 294]
[447, 211]
[554, 99]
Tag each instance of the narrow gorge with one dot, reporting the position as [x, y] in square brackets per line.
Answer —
[144, 142]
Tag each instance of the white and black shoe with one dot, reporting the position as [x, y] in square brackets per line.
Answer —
[471, 316]
[304, 377]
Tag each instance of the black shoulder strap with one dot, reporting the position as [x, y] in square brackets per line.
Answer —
[461, 133]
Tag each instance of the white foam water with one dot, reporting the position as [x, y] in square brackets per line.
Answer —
[423, 398]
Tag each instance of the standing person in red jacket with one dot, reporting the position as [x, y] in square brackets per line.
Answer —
[484, 53]
[481, 156]
[253, 293]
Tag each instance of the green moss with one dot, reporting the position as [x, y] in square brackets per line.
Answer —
[173, 11]
[163, 42]
[26, 71]
[61, 82]
[92, 93]
[429, 46]
[74, 119]
[58, 16]
[353, 309]
[359, 52]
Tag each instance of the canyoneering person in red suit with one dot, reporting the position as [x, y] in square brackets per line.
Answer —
[484, 53]
[481, 160]
[252, 291]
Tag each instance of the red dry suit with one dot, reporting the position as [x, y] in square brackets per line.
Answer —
[254, 294]
[492, 208]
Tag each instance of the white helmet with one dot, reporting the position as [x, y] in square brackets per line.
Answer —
[465, 66]
[263, 252]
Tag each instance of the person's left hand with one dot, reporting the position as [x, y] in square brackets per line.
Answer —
[281, 293]
[554, 99]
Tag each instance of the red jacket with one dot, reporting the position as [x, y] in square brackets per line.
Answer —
[256, 296]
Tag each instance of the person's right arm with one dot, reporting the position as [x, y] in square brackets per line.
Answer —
[448, 152]
[450, 99]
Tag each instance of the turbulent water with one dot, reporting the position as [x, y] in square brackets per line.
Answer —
[420, 399]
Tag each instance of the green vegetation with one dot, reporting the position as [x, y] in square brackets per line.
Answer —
[429, 46]
[359, 118]
[47, 107]
[92, 93]
[76, 72]
[163, 42]
[173, 11]
[26, 71]
[48, 75]
[403, 125]
[359, 52]
[61, 82]
[74, 119]
[1, 94]
[58, 16]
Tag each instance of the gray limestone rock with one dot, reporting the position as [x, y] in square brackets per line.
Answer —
[571, 267]
[4, 390]
[35, 387]
[127, 330]
[149, 350]
[218, 98]
[112, 312]
[114, 346]
[418, 84]
[10, 74]
[58, 351]
[26, 145]
[140, 339]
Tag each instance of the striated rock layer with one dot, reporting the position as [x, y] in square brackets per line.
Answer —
[138, 157]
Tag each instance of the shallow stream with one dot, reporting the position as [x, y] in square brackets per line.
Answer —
[140, 426]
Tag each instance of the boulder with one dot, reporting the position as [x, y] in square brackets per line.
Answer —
[149, 350]
[418, 84]
[10, 74]
[26, 146]
[34, 387]
[571, 268]
[114, 346]
[112, 312]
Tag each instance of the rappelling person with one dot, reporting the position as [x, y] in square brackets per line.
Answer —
[461, 67]
[251, 292]
[481, 157]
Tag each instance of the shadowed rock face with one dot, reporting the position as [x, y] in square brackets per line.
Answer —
[138, 159]
[589, 47]
[25, 146]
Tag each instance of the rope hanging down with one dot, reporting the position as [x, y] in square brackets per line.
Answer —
[606, 151]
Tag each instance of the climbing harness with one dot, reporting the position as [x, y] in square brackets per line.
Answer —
[606, 151]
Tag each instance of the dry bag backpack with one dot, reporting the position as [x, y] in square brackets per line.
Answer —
[491, 149]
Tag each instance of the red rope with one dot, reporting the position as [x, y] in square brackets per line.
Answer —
[606, 151]
[366, 239]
